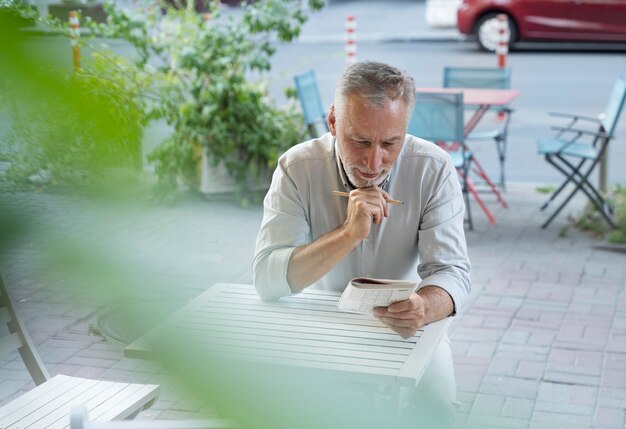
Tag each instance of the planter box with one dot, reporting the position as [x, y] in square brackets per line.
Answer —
[215, 180]
[62, 11]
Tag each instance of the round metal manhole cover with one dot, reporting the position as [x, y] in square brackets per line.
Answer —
[125, 322]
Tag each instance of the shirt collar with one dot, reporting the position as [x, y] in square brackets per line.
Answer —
[344, 177]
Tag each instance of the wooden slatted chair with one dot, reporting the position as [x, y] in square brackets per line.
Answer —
[49, 404]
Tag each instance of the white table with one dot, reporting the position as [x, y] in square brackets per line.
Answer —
[305, 330]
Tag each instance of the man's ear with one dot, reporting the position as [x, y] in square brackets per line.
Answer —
[332, 120]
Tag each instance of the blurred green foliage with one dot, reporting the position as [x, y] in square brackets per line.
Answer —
[81, 126]
[69, 130]
[76, 144]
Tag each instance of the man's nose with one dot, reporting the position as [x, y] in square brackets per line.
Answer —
[374, 159]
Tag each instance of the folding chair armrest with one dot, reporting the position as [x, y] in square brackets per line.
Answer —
[575, 117]
[600, 134]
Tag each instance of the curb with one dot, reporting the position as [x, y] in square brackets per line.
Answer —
[381, 39]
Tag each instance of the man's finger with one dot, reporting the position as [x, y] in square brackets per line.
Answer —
[403, 332]
[400, 306]
[399, 323]
[405, 315]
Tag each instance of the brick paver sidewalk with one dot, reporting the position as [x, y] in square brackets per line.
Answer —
[542, 342]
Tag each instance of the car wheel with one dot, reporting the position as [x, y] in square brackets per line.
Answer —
[488, 31]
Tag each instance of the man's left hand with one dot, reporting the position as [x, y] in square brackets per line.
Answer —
[404, 317]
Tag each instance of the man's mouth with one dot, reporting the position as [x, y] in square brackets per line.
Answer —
[368, 175]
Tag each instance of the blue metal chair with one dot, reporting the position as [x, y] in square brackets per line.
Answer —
[575, 152]
[438, 117]
[311, 102]
[491, 78]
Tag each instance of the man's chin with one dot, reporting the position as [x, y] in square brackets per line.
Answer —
[361, 182]
[368, 183]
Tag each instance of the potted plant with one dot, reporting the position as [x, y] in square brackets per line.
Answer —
[196, 71]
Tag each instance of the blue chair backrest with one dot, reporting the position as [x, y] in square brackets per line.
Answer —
[309, 97]
[477, 77]
[438, 117]
[615, 106]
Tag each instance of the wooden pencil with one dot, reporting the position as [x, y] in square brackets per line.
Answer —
[347, 194]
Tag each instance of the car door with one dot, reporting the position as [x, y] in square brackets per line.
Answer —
[600, 19]
[546, 19]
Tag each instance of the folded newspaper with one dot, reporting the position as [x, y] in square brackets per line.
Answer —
[363, 294]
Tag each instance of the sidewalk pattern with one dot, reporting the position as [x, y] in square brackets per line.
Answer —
[541, 344]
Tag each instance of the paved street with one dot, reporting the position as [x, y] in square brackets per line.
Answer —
[550, 77]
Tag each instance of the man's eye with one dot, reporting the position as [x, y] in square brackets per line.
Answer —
[361, 143]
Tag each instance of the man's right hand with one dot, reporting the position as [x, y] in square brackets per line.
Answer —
[311, 262]
[365, 205]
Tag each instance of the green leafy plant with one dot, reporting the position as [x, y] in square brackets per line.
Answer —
[207, 77]
[591, 221]
[618, 236]
[204, 74]
[545, 189]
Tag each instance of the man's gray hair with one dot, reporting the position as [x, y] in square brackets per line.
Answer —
[374, 83]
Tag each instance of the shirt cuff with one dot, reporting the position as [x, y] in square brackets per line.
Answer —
[271, 280]
[450, 285]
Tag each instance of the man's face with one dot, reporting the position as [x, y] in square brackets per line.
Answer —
[369, 138]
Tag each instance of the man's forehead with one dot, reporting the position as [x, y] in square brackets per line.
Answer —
[356, 134]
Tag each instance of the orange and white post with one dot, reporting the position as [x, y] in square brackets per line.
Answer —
[74, 34]
[504, 34]
[350, 40]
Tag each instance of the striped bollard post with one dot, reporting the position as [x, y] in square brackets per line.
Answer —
[504, 35]
[350, 40]
[74, 34]
[502, 49]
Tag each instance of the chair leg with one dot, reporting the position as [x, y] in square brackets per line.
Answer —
[582, 183]
[596, 198]
[478, 169]
[470, 223]
[564, 184]
[501, 149]
[472, 189]
[599, 205]
[579, 186]
[462, 172]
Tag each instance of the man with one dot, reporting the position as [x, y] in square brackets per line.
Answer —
[312, 238]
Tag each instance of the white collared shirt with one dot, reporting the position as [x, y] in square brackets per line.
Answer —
[424, 237]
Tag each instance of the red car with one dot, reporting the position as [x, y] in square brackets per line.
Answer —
[562, 20]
